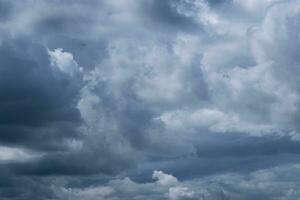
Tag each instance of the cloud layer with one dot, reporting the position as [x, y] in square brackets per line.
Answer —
[150, 99]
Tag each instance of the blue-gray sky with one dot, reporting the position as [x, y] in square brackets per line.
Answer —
[149, 99]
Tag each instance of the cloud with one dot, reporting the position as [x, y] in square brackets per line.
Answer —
[273, 183]
[164, 179]
[15, 154]
[100, 99]
[88, 194]
[30, 88]
[166, 186]
[176, 193]
[64, 61]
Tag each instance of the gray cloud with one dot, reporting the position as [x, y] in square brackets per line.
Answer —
[92, 93]
[274, 183]
[35, 101]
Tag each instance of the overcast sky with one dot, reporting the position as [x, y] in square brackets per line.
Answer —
[149, 99]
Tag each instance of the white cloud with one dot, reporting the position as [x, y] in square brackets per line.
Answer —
[65, 62]
[164, 179]
[177, 193]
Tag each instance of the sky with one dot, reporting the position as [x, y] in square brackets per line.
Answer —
[149, 100]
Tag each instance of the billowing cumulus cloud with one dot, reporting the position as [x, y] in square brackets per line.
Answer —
[150, 99]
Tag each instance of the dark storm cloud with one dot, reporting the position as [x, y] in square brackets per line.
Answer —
[38, 111]
[92, 93]
[33, 98]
